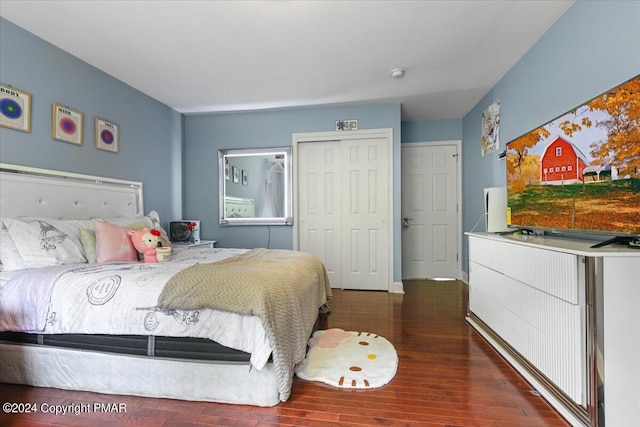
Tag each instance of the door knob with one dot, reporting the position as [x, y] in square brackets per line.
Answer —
[405, 222]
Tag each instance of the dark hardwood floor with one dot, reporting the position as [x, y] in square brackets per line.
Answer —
[447, 376]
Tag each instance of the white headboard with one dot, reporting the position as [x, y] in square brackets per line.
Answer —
[26, 191]
[239, 207]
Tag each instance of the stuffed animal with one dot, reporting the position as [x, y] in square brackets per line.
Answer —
[146, 242]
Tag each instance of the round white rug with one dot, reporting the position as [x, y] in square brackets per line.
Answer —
[355, 360]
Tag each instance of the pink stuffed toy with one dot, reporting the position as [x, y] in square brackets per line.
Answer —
[146, 242]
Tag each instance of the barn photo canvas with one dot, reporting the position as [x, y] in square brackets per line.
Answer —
[580, 171]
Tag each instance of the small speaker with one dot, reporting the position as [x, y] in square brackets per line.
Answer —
[495, 209]
[185, 231]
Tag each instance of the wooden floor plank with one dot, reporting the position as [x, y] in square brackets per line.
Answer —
[448, 375]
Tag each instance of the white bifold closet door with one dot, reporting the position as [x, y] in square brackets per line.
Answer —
[344, 210]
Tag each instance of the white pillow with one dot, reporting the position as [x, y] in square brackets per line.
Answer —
[141, 221]
[46, 241]
[10, 258]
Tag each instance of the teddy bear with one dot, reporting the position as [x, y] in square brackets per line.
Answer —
[146, 241]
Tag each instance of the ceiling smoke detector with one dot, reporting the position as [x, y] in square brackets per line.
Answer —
[396, 73]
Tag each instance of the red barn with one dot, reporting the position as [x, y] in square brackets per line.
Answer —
[562, 163]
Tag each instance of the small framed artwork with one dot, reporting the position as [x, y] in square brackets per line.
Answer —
[245, 177]
[15, 109]
[107, 135]
[66, 124]
[226, 171]
[236, 174]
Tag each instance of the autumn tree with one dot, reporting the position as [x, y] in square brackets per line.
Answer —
[520, 147]
[622, 147]
[580, 120]
[522, 166]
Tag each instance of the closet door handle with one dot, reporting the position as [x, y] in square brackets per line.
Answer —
[405, 222]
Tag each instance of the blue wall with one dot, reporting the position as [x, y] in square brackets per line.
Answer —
[205, 134]
[432, 130]
[150, 132]
[593, 47]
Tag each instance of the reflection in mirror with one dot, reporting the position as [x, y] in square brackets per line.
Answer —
[255, 186]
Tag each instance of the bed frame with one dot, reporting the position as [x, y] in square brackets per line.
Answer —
[30, 191]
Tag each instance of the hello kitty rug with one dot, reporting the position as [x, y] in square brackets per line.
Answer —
[355, 360]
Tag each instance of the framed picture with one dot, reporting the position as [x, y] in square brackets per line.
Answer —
[226, 172]
[107, 136]
[15, 109]
[236, 174]
[66, 124]
[490, 132]
[245, 177]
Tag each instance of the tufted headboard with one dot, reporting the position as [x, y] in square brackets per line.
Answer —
[26, 191]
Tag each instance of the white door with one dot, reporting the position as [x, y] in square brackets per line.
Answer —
[343, 210]
[429, 211]
[319, 184]
[364, 214]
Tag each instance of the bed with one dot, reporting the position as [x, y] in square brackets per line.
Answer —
[179, 329]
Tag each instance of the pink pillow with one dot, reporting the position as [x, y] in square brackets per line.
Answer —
[113, 243]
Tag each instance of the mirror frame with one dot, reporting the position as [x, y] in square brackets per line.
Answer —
[287, 219]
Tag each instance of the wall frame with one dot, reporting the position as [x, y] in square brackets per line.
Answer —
[67, 124]
[15, 109]
[107, 135]
[265, 199]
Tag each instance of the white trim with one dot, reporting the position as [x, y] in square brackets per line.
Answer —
[397, 288]
[298, 138]
[458, 144]
[465, 277]
[66, 175]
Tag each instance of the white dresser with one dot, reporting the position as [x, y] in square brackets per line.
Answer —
[555, 307]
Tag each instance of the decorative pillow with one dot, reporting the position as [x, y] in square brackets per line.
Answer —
[152, 220]
[88, 240]
[45, 241]
[10, 258]
[113, 243]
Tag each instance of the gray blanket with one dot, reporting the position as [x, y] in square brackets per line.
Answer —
[283, 288]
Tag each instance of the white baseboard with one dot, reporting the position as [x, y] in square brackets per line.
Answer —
[396, 288]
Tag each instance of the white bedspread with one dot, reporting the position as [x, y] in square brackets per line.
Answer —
[121, 298]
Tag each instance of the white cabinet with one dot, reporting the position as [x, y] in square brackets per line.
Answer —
[531, 298]
[621, 340]
[535, 299]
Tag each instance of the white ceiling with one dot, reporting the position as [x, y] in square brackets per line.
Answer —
[220, 56]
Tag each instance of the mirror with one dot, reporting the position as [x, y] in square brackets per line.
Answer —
[255, 186]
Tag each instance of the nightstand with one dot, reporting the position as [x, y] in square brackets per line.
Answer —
[202, 244]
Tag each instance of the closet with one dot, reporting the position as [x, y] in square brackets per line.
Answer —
[344, 206]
